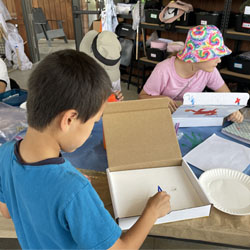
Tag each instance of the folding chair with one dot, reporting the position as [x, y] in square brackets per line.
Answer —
[43, 29]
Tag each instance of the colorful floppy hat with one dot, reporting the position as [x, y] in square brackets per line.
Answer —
[203, 43]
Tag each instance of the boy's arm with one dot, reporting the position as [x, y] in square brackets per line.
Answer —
[4, 210]
[157, 206]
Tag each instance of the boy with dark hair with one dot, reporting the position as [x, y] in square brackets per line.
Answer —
[51, 204]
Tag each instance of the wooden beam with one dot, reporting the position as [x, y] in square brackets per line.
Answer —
[21, 27]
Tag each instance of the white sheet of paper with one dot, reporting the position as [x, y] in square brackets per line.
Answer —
[215, 98]
[217, 152]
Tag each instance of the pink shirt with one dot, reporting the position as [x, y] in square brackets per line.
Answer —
[165, 81]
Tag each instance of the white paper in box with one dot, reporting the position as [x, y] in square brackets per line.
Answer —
[143, 152]
[208, 109]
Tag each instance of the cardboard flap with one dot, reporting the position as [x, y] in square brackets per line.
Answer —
[137, 105]
[216, 98]
[140, 134]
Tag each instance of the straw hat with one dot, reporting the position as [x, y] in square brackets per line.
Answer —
[105, 48]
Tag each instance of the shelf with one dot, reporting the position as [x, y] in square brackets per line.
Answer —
[128, 16]
[161, 27]
[87, 12]
[235, 77]
[231, 73]
[153, 26]
[232, 34]
[147, 61]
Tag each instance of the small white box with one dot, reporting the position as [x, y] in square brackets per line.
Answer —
[131, 189]
[143, 152]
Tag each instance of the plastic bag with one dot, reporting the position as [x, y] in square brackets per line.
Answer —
[14, 49]
[108, 16]
[12, 122]
[154, 36]
[136, 16]
[4, 11]
[19, 58]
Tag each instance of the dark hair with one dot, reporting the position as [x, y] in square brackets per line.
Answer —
[64, 80]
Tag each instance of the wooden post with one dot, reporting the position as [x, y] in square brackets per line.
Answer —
[85, 19]
[21, 27]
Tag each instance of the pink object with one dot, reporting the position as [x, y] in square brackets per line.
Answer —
[175, 46]
[158, 44]
[174, 10]
[165, 81]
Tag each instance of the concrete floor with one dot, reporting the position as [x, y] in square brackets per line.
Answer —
[151, 242]
[21, 77]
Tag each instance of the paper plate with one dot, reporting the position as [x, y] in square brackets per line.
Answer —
[228, 190]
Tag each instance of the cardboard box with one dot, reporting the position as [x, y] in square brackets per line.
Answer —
[96, 25]
[143, 152]
[208, 109]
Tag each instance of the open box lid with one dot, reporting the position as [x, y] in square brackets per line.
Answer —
[140, 134]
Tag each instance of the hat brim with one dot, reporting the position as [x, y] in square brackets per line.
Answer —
[86, 43]
[86, 47]
[203, 55]
[112, 71]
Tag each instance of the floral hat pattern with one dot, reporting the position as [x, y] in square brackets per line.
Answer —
[203, 43]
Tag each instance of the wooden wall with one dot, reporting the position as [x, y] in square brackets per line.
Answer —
[53, 9]
[58, 9]
[11, 7]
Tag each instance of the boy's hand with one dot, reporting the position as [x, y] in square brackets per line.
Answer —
[118, 95]
[159, 204]
[236, 117]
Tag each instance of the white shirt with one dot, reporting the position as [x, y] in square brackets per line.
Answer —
[4, 74]
[116, 85]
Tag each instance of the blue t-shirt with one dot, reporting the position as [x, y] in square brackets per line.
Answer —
[53, 205]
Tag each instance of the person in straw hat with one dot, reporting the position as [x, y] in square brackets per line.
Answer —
[191, 69]
[105, 48]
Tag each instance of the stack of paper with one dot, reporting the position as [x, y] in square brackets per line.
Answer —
[238, 131]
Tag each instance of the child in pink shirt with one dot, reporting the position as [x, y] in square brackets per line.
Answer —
[193, 69]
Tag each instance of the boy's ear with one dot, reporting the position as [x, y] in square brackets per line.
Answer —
[68, 118]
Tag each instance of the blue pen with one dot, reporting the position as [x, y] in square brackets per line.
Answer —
[159, 189]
